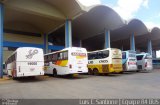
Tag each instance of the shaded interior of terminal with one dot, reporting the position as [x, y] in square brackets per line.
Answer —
[88, 27]
[97, 41]
[58, 38]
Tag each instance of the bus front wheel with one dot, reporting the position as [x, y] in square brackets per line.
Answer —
[54, 72]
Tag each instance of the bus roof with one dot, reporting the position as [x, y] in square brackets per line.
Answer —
[27, 48]
[104, 49]
[65, 49]
[130, 51]
[143, 54]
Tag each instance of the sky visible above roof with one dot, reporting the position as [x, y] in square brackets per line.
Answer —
[145, 10]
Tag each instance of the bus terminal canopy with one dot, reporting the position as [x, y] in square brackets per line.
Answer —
[133, 26]
[140, 31]
[39, 16]
[95, 21]
[155, 37]
[45, 16]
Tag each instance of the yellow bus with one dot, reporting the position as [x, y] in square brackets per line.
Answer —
[105, 61]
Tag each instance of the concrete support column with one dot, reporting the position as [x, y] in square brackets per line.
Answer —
[132, 42]
[45, 43]
[1, 40]
[68, 33]
[107, 39]
[149, 47]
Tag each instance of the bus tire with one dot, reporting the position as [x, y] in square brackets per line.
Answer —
[138, 71]
[121, 72]
[95, 71]
[54, 72]
[124, 67]
[90, 72]
[14, 78]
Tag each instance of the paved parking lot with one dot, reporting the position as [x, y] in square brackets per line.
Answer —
[127, 85]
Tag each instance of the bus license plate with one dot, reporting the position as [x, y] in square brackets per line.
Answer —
[32, 69]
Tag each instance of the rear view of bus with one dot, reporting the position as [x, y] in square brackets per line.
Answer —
[72, 60]
[144, 61]
[116, 56]
[26, 61]
[129, 60]
[78, 60]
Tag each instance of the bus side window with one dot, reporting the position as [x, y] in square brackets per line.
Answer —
[124, 55]
[99, 55]
[65, 55]
[105, 54]
[45, 58]
[102, 54]
[54, 57]
[89, 56]
[95, 55]
[59, 56]
[148, 57]
[50, 58]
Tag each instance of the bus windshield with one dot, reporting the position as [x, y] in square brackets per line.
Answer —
[124, 55]
[139, 57]
[61, 56]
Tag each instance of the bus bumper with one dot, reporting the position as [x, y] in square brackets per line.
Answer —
[30, 74]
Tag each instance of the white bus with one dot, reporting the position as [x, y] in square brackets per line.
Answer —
[129, 60]
[144, 61]
[105, 61]
[72, 60]
[24, 62]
